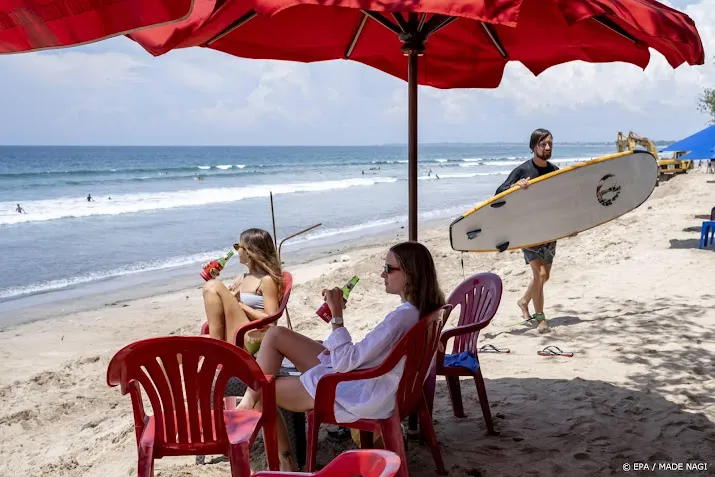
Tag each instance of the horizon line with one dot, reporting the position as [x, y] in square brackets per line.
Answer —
[440, 143]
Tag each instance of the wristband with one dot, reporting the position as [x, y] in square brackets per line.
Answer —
[337, 320]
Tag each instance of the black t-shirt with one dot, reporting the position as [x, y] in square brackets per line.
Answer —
[527, 169]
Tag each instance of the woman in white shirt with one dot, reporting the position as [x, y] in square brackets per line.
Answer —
[410, 273]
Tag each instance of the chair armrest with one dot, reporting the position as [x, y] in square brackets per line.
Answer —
[451, 333]
[460, 330]
[239, 336]
[328, 385]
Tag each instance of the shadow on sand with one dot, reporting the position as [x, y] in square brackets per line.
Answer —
[563, 427]
[687, 243]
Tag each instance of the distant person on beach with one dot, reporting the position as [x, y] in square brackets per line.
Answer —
[252, 296]
[89, 198]
[540, 257]
[20, 210]
[409, 272]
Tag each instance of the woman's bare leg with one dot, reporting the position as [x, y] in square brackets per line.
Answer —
[224, 314]
[281, 342]
[303, 352]
[292, 396]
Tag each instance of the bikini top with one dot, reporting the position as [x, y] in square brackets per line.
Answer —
[254, 300]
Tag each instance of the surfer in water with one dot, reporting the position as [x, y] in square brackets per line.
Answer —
[539, 257]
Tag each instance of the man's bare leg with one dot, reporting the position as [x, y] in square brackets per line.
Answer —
[540, 275]
[523, 302]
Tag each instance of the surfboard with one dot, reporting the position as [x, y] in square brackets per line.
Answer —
[556, 205]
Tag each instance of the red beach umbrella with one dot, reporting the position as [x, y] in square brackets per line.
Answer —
[29, 25]
[463, 44]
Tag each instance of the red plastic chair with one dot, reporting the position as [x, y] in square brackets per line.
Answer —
[254, 325]
[180, 392]
[418, 347]
[364, 463]
[478, 298]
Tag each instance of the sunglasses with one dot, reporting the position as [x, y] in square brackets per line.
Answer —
[237, 246]
[389, 269]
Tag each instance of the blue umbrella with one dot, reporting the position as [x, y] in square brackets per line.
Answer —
[702, 142]
[700, 154]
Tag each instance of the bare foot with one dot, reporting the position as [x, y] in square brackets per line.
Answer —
[248, 402]
[543, 327]
[524, 308]
[287, 463]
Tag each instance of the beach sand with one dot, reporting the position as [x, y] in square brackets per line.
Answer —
[633, 299]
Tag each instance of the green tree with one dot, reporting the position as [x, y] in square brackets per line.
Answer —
[706, 103]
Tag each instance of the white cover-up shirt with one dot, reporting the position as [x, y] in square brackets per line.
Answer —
[367, 398]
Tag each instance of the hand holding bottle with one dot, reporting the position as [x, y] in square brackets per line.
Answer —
[335, 300]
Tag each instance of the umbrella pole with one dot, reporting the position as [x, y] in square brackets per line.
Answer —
[412, 65]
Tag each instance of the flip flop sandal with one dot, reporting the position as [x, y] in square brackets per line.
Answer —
[492, 349]
[554, 351]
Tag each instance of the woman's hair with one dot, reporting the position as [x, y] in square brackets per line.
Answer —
[537, 136]
[262, 253]
[421, 285]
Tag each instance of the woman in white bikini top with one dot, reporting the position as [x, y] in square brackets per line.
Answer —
[253, 295]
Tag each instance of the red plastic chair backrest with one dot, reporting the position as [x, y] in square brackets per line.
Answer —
[418, 347]
[478, 298]
[287, 287]
[180, 393]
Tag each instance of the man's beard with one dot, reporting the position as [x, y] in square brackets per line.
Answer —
[544, 156]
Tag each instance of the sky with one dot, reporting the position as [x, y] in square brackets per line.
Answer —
[114, 93]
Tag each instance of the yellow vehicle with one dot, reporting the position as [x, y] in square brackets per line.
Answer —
[672, 165]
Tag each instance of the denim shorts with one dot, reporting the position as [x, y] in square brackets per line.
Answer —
[545, 252]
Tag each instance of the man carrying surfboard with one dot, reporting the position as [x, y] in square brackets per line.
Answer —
[540, 257]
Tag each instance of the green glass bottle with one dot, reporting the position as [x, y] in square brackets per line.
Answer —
[324, 310]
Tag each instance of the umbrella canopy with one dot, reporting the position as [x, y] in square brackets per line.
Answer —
[471, 52]
[702, 141]
[470, 41]
[28, 25]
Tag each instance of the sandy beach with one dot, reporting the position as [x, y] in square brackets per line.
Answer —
[633, 299]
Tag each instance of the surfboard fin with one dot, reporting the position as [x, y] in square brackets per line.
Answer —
[496, 205]
[472, 234]
[503, 246]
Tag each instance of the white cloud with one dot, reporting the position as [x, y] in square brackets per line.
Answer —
[115, 93]
[617, 85]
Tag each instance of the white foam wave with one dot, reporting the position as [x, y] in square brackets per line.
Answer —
[239, 166]
[441, 160]
[462, 175]
[153, 265]
[224, 166]
[353, 229]
[198, 258]
[502, 163]
[204, 168]
[52, 209]
[473, 159]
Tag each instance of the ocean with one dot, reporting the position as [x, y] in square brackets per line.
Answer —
[163, 211]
